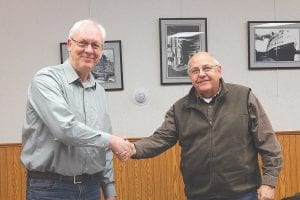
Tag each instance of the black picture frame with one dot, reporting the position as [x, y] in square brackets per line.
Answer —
[108, 71]
[273, 45]
[179, 39]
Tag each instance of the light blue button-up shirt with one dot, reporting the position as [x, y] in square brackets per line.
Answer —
[67, 126]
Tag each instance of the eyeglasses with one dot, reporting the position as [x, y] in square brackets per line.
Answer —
[85, 44]
[204, 68]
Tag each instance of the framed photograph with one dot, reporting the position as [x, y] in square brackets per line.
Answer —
[108, 71]
[179, 38]
[273, 44]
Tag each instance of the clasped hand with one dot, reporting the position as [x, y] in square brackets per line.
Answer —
[121, 147]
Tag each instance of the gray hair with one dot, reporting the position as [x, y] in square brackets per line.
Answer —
[77, 25]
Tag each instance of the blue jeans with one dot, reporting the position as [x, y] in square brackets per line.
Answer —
[247, 196]
[40, 189]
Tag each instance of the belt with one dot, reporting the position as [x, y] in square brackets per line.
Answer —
[54, 176]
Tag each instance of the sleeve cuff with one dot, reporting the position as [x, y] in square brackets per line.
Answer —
[109, 190]
[269, 180]
[137, 154]
[104, 139]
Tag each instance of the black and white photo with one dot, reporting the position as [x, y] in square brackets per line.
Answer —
[274, 44]
[180, 38]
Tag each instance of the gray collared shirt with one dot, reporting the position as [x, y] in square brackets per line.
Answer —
[67, 126]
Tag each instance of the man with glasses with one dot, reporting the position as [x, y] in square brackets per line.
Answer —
[67, 141]
[221, 128]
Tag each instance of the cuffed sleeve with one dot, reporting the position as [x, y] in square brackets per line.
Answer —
[109, 190]
[266, 142]
[107, 182]
[269, 180]
[105, 139]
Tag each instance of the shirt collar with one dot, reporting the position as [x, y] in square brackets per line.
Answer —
[208, 100]
[193, 97]
[72, 76]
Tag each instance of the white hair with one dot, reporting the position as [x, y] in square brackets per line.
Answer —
[214, 60]
[77, 25]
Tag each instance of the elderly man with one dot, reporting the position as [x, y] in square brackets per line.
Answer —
[67, 139]
[221, 128]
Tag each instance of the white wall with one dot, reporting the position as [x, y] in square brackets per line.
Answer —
[31, 31]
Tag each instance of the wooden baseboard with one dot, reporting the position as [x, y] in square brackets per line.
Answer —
[155, 178]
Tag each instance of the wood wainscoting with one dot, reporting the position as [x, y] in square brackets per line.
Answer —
[157, 178]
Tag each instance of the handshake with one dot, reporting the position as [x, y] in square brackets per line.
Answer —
[121, 147]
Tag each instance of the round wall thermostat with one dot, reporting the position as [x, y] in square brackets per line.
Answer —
[140, 96]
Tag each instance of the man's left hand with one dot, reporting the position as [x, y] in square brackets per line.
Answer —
[266, 192]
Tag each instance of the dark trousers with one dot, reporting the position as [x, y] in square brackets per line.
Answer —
[247, 196]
